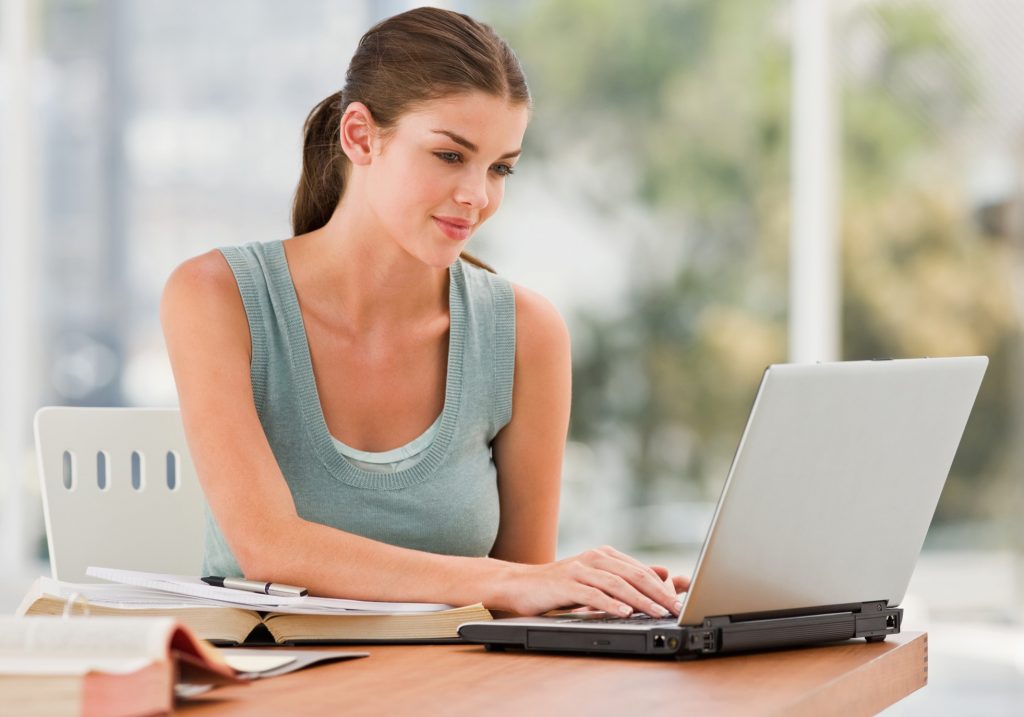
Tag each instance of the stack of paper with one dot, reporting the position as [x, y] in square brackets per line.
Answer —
[190, 587]
[232, 617]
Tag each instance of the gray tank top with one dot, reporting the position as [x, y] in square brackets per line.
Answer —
[447, 500]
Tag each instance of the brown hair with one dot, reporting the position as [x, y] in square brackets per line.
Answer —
[417, 56]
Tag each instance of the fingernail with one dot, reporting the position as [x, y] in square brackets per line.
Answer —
[659, 610]
[625, 610]
[679, 606]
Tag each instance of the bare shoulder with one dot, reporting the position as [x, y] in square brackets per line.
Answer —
[204, 287]
[207, 274]
[205, 280]
[540, 328]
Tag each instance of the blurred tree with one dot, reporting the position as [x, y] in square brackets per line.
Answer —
[920, 279]
[682, 107]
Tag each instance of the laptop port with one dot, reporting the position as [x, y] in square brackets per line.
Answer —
[659, 640]
[709, 642]
[890, 622]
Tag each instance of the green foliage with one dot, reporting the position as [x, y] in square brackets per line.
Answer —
[691, 100]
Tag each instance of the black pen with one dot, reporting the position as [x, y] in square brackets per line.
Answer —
[256, 586]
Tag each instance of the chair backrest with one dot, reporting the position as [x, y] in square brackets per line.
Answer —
[119, 490]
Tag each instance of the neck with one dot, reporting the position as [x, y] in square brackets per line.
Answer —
[364, 276]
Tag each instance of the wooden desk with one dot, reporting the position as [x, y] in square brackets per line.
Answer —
[852, 678]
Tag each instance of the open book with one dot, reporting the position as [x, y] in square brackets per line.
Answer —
[318, 621]
[101, 666]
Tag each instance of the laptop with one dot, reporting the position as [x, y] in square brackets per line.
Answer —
[821, 519]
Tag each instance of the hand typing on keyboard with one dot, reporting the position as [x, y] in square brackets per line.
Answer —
[603, 579]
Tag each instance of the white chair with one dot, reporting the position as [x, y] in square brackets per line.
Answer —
[119, 490]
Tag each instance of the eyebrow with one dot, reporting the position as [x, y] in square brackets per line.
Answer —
[459, 139]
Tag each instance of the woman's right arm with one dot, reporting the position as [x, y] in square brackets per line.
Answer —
[208, 342]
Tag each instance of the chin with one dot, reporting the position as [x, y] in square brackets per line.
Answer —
[445, 255]
[454, 258]
[437, 250]
[441, 260]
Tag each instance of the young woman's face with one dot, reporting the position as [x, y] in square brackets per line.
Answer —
[441, 172]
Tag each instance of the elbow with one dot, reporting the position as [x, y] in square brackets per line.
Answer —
[268, 552]
[252, 564]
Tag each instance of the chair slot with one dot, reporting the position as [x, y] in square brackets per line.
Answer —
[68, 475]
[136, 470]
[172, 470]
[102, 461]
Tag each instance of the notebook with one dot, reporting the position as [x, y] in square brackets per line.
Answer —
[818, 526]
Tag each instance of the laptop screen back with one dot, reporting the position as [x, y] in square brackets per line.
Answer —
[833, 485]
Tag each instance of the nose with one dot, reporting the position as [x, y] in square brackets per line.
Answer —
[472, 191]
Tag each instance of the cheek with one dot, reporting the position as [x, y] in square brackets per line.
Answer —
[495, 194]
[407, 184]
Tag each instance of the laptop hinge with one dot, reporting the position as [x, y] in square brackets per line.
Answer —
[736, 633]
[865, 608]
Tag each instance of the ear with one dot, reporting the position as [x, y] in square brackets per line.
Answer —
[358, 133]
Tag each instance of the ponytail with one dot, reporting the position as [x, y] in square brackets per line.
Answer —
[324, 167]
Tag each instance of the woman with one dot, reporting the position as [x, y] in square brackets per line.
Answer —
[301, 364]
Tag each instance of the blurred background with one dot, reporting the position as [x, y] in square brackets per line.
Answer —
[708, 186]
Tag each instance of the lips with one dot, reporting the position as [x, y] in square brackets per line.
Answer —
[454, 228]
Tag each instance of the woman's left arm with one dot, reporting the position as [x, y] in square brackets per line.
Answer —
[528, 451]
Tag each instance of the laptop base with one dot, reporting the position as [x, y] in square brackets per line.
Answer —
[715, 636]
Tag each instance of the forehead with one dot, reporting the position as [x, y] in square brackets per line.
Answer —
[489, 122]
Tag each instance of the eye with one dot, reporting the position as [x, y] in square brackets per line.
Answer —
[449, 157]
[503, 170]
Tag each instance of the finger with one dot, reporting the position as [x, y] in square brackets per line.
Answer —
[641, 577]
[593, 598]
[609, 550]
[676, 583]
[617, 586]
[659, 571]
[664, 577]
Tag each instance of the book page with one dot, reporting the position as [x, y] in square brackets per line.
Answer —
[75, 645]
[256, 660]
[328, 606]
[193, 586]
[125, 597]
[188, 585]
[259, 664]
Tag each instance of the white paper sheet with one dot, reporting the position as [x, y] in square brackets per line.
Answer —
[196, 588]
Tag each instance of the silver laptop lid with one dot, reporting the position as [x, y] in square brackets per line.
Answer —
[833, 485]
